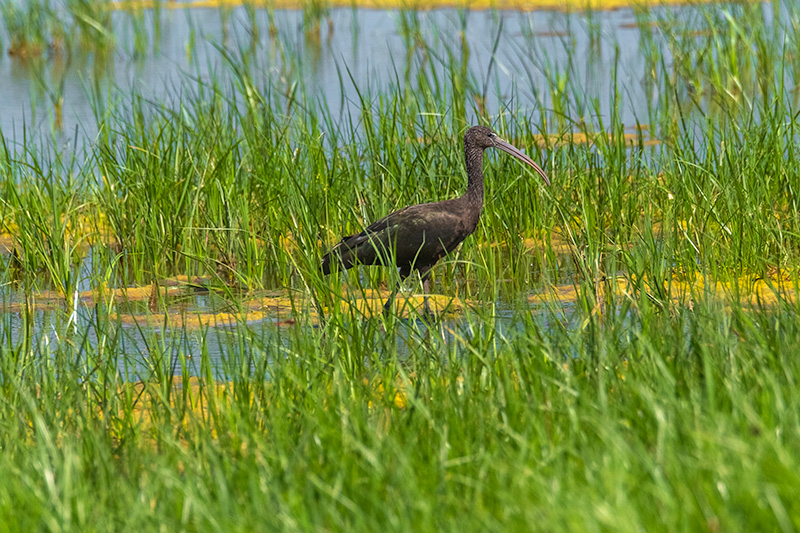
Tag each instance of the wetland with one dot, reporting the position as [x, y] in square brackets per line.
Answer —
[612, 352]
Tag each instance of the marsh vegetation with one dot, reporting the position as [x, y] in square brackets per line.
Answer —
[614, 352]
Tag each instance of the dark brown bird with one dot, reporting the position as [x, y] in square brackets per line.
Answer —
[416, 237]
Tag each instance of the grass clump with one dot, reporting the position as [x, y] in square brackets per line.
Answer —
[665, 422]
[658, 391]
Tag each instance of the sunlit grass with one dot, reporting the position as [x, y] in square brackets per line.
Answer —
[613, 352]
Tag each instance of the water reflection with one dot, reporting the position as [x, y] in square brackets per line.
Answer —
[532, 53]
[538, 60]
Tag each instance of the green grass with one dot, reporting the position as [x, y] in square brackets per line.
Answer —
[615, 411]
[683, 422]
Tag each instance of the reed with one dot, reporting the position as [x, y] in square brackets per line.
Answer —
[624, 358]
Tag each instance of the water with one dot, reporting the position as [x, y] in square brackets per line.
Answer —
[533, 49]
[365, 44]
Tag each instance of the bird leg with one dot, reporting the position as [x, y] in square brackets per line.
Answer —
[387, 306]
[404, 273]
[425, 276]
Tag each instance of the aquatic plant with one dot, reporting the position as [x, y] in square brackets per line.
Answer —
[617, 352]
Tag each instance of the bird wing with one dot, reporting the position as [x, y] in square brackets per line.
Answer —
[364, 247]
[418, 234]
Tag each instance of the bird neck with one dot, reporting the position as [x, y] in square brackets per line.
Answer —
[474, 194]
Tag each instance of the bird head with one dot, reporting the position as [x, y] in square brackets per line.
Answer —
[480, 136]
[483, 137]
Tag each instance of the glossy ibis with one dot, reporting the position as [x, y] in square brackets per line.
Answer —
[416, 237]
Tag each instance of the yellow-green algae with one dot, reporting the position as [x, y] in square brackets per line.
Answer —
[283, 307]
[196, 401]
[278, 306]
[753, 291]
[6, 243]
[282, 310]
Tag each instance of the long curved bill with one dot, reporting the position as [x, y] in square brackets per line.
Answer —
[511, 149]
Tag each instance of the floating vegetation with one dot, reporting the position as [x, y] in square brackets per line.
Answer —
[754, 293]
[613, 352]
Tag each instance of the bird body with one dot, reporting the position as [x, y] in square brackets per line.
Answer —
[417, 237]
[414, 236]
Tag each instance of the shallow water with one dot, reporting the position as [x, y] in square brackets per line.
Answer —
[230, 347]
[365, 44]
